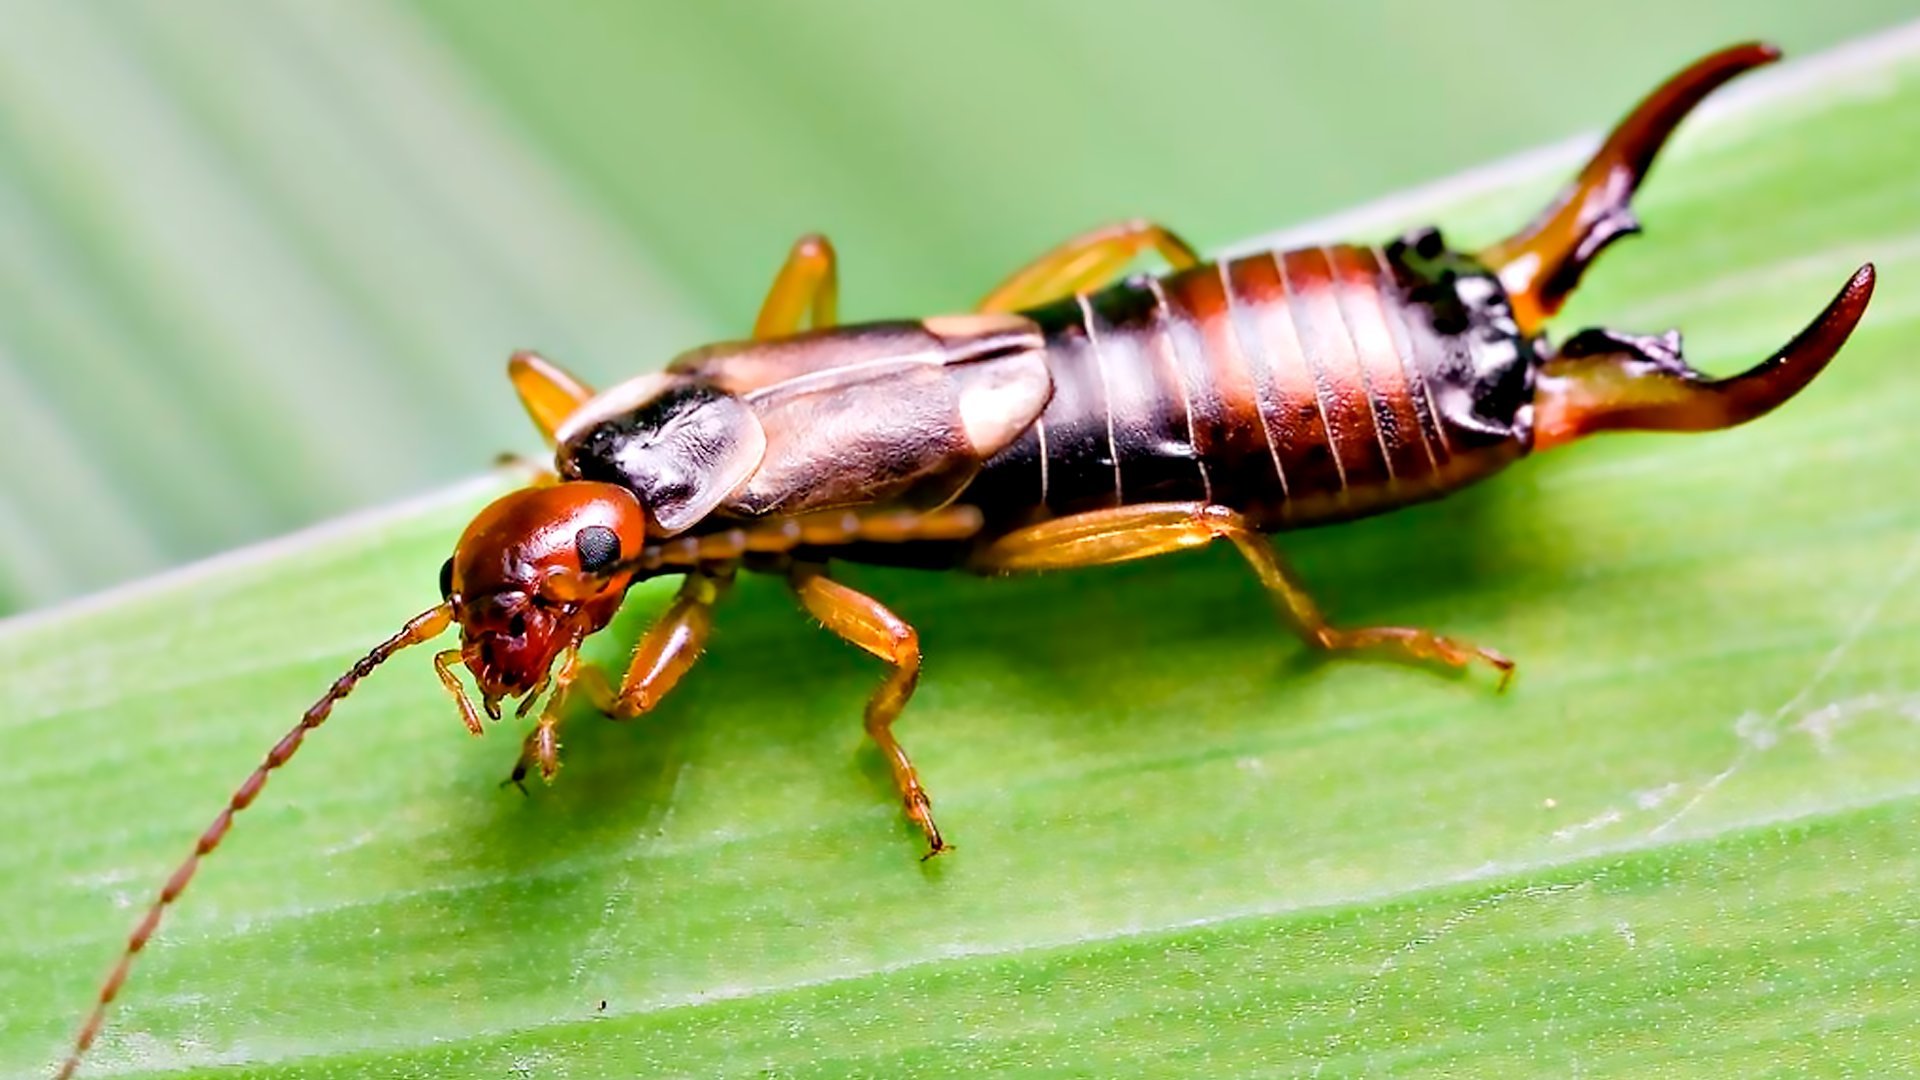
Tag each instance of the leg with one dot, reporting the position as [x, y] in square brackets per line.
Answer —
[536, 473]
[1542, 263]
[861, 620]
[809, 281]
[664, 653]
[1136, 532]
[547, 391]
[1087, 261]
[542, 746]
[668, 649]
[443, 668]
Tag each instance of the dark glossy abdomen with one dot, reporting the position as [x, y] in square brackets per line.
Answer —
[1297, 387]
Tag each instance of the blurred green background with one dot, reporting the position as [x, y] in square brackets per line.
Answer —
[261, 262]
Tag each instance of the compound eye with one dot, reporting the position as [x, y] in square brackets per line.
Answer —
[446, 580]
[598, 548]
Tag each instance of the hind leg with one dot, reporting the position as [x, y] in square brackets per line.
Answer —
[1138, 532]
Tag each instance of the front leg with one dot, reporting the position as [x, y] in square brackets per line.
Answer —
[663, 654]
[542, 746]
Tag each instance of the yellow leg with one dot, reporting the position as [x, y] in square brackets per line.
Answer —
[668, 649]
[664, 653]
[809, 281]
[862, 621]
[1138, 532]
[542, 746]
[443, 668]
[548, 391]
[1087, 261]
[536, 473]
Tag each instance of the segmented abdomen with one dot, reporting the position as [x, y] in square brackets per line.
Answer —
[1298, 387]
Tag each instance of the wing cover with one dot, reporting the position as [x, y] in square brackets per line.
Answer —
[898, 413]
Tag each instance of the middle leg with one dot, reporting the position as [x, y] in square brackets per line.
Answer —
[1137, 532]
[861, 620]
[1087, 261]
[808, 283]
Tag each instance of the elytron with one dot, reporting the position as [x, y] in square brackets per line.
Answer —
[1072, 419]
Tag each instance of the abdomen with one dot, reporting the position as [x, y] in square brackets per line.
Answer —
[1297, 387]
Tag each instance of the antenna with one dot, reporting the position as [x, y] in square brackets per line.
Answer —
[422, 627]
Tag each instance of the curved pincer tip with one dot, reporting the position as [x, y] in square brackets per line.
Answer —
[1607, 381]
[1771, 382]
[1747, 54]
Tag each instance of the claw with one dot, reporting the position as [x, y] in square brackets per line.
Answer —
[1606, 381]
[1500, 663]
[935, 845]
[920, 812]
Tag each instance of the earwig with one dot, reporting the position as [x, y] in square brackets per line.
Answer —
[1071, 420]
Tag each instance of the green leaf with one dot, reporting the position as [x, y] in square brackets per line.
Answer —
[1682, 844]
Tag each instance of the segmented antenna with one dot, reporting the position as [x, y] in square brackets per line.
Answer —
[422, 627]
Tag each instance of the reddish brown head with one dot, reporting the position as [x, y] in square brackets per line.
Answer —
[538, 570]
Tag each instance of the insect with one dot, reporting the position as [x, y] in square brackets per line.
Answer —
[1071, 420]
